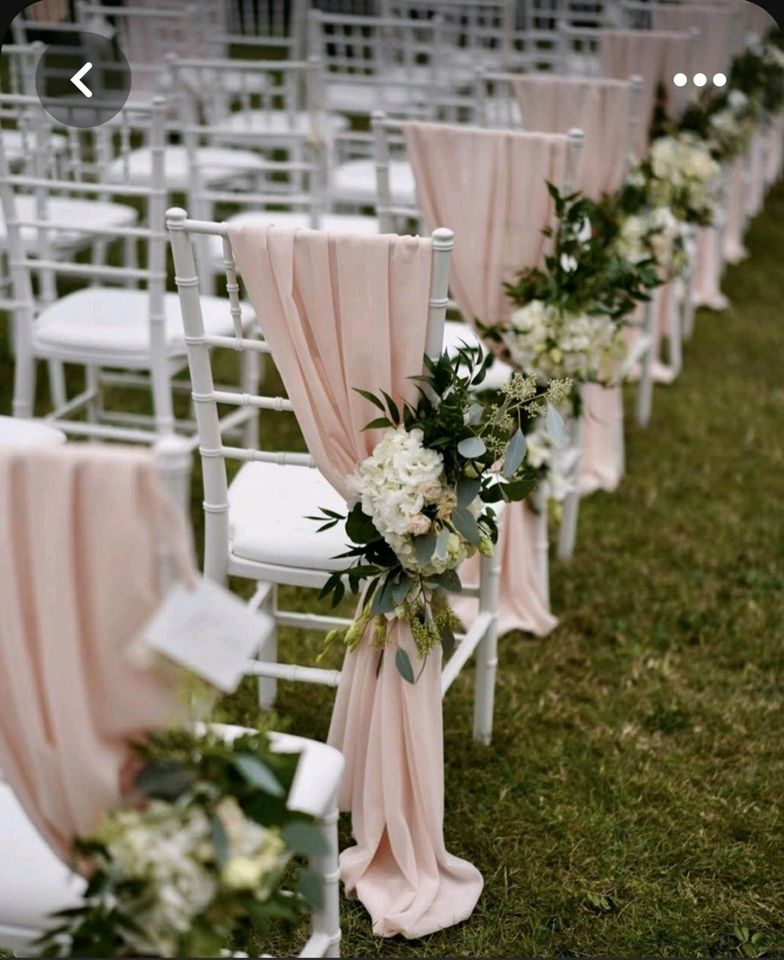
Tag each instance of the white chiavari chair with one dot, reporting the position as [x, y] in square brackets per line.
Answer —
[496, 100]
[121, 325]
[20, 60]
[388, 137]
[147, 32]
[255, 527]
[371, 62]
[35, 883]
[273, 23]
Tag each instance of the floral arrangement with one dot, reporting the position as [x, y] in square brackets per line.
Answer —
[553, 464]
[679, 173]
[193, 857]
[570, 312]
[758, 72]
[654, 233]
[424, 497]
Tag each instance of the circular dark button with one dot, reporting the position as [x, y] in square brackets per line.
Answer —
[83, 84]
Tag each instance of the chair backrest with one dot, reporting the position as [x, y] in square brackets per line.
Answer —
[399, 58]
[147, 33]
[388, 137]
[201, 347]
[478, 29]
[272, 23]
[210, 89]
[20, 60]
[496, 104]
[47, 17]
[92, 151]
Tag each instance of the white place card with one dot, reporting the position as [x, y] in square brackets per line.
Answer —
[209, 631]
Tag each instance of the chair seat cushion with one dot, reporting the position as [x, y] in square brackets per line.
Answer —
[277, 121]
[86, 213]
[268, 504]
[367, 94]
[216, 164]
[33, 881]
[355, 182]
[16, 432]
[101, 320]
[331, 222]
[17, 146]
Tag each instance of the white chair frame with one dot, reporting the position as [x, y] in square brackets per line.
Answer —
[220, 562]
[153, 367]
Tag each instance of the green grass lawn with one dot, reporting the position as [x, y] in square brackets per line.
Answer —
[631, 803]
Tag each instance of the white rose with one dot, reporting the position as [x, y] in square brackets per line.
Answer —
[242, 873]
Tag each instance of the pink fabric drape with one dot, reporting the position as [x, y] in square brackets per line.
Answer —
[523, 592]
[341, 312]
[489, 186]
[602, 450]
[600, 108]
[775, 148]
[656, 56]
[706, 290]
[716, 25]
[82, 530]
[735, 210]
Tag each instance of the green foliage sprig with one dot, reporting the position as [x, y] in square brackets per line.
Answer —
[584, 272]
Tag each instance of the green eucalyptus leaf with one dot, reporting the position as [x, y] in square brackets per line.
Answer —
[403, 664]
[465, 524]
[424, 547]
[471, 448]
[383, 599]
[448, 642]
[554, 424]
[468, 490]
[400, 588]
[448, 580]
[514, 454]
[258, 774]
[304, 838]
[474, 414]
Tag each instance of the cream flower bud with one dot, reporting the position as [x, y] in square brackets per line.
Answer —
[418, 525]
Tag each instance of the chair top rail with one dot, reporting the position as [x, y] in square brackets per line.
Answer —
[81, 186]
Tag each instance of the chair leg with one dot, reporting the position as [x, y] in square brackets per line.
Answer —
[645, 385]
[571, 509]
[541, 502]
[487, 652]
[568, 533]
[24, 385]
[266, 598]
[94, 385]
[57, 383]
[326, 919]
[675, 333]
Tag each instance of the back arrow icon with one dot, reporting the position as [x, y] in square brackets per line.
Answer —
[76, 79]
